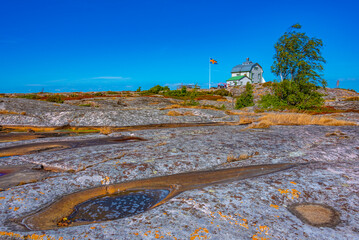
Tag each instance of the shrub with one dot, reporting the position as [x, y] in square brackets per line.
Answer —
[289, 94]
[157, 89]
[191, 102]
[246, 98]
[55, 98]
[267, 84]
[138, 89]
[30, 96]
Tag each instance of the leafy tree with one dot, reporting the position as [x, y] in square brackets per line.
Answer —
[246, 98]
[298, 57]
[298, 62]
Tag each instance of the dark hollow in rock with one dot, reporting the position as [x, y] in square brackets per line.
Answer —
[124, 204]
[315, 214]
[79, 207]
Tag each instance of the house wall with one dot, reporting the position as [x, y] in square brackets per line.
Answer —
[244, 81]
[241, 82]
[241, 74]
[257, 74]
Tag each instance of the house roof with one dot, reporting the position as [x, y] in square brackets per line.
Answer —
[236, 78]
[244, 67]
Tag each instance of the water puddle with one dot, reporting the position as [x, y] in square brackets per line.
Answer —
[126, 199]
[112, 207]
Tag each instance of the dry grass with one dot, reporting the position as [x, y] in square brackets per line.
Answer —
[174, 106]
[298, 119]
[337, 134]
[176, 113]
[246, 120]
[11, 112]
[351, 99]
[210, 97]
[232, 158]
[106, 130]
[228, 112]
[244, 156]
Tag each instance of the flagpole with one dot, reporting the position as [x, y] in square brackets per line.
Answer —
[209, 80]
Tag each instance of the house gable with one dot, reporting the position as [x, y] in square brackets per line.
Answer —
[252, 70]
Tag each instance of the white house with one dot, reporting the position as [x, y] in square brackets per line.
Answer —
[247, 71]
[238, 81]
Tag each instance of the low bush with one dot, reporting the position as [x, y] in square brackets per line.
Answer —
[246, 98]
[30, 96]
[289, 94]
[267, 84]
[55, 98]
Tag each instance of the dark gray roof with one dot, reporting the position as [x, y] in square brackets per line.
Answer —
[244, 67]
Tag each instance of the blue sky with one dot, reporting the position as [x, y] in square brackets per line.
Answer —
[93, 45]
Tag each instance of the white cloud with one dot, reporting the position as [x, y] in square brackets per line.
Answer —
[112, 77]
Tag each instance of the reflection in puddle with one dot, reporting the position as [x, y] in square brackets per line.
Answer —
[117, 206]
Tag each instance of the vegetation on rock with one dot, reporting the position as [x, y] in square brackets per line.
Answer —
[298, 63]
[246, 98]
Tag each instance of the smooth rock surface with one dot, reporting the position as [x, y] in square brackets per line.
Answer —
[246, 209]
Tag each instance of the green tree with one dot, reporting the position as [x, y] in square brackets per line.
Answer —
[298, 57]
[246, 98]
[298, 63]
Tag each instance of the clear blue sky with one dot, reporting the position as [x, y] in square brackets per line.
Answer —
[91, 45]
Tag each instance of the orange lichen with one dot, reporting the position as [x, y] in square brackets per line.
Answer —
[293, 183]
[105, 181]
[31, 237]
[245, 223]
[199, 233]
[294, 193]
[261, 230]
[274, 206]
